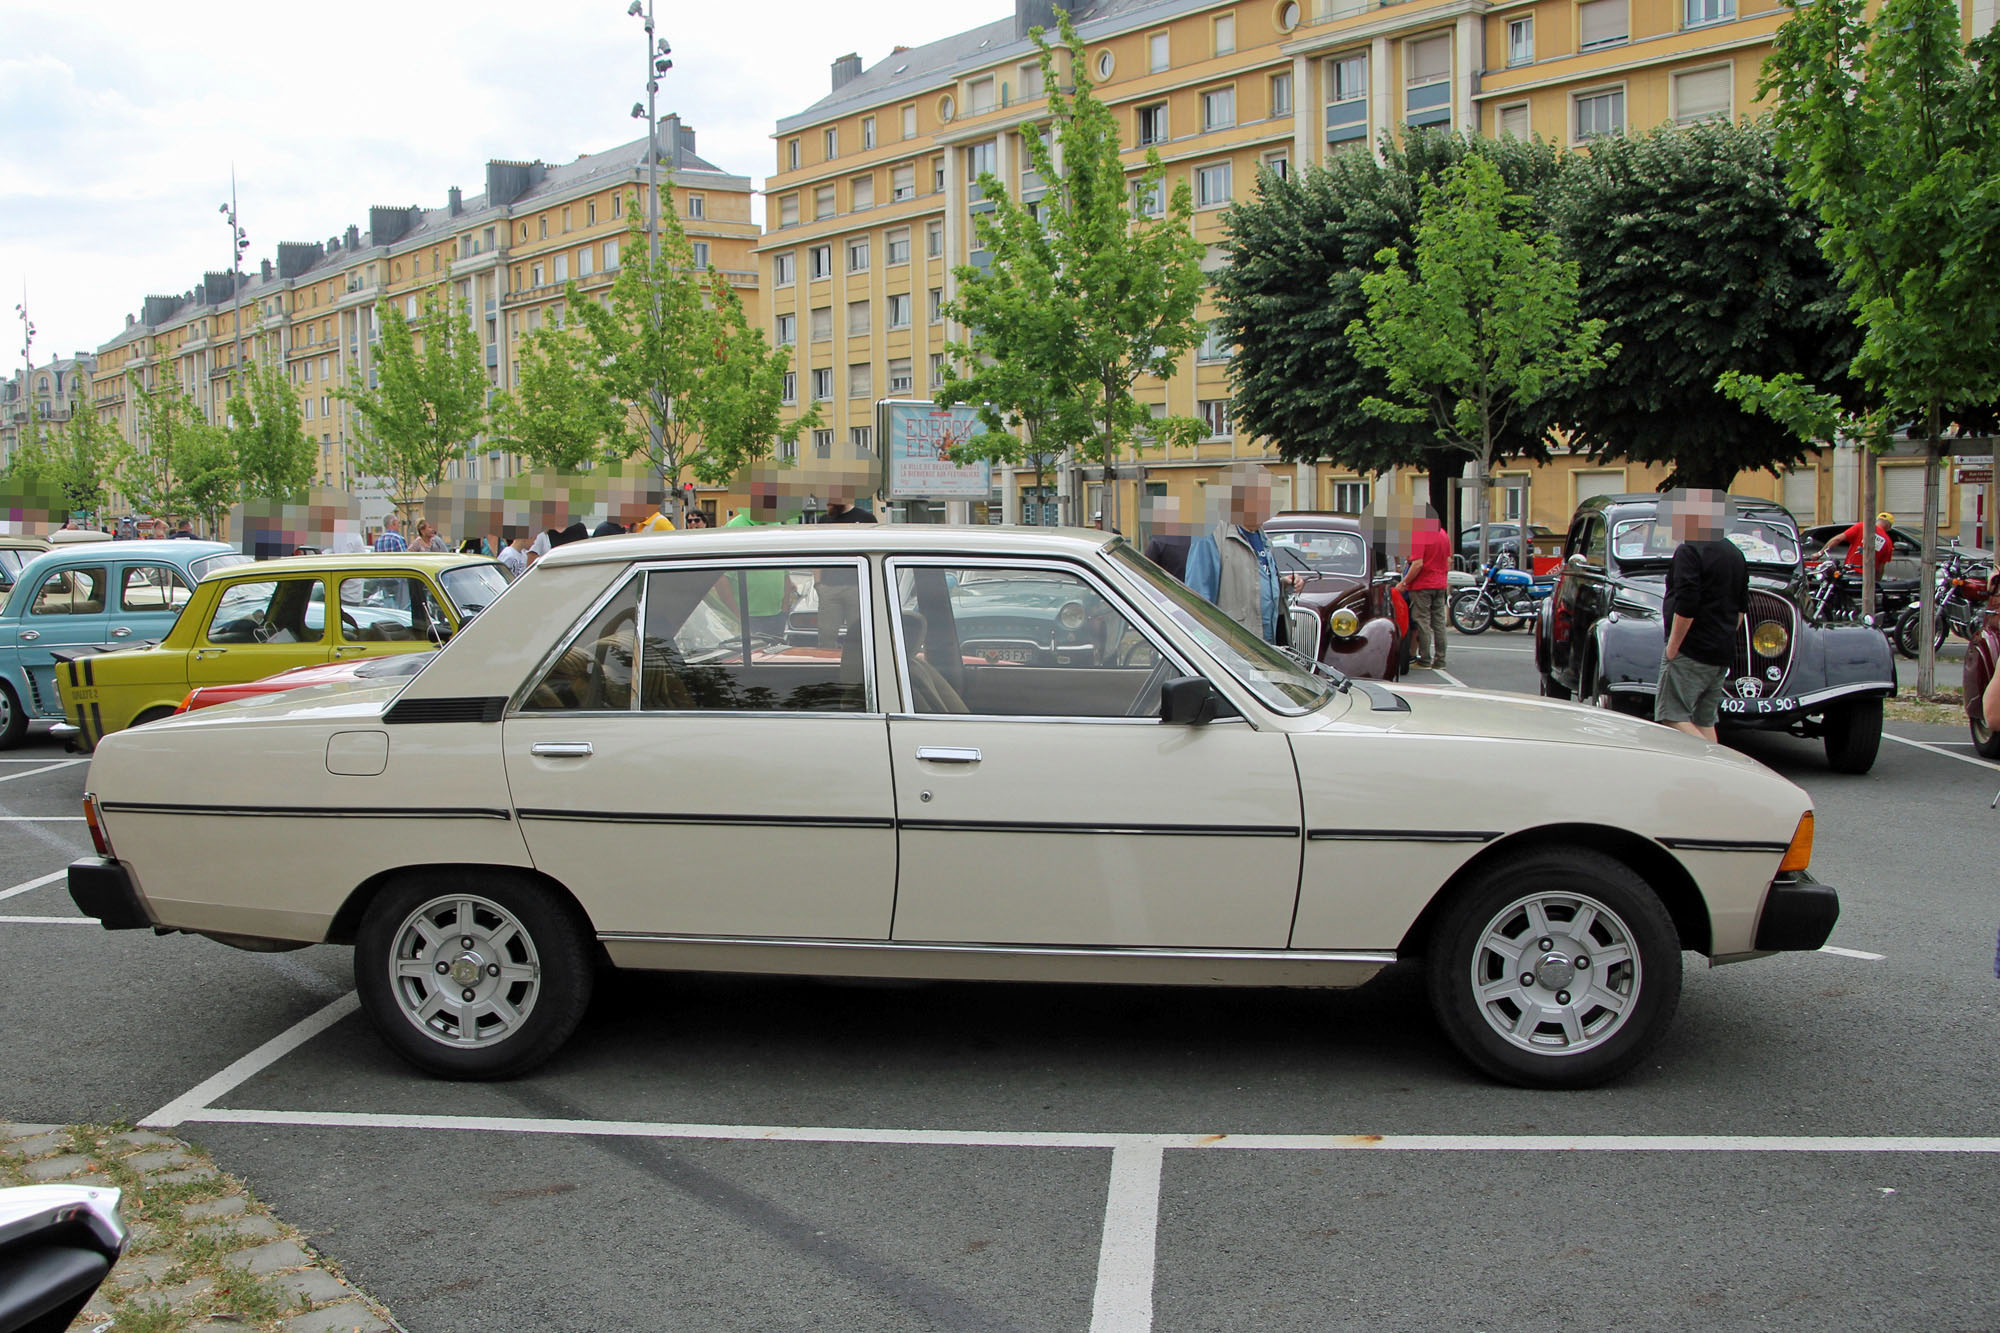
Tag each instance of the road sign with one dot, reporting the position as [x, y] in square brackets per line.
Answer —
[1973, 476]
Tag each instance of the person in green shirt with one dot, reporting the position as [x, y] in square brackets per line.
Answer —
[769, 593]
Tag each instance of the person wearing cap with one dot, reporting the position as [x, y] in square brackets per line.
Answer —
[1850, 542]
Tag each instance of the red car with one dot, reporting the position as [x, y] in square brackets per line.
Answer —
[358, 668]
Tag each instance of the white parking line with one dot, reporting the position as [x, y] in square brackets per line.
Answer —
[48, 920]
[1988, 765]
[1451, 679]
[1851, 953]
[1124, 1299]
[199, 1096]
[32, 884]
[40, 819]
[48, 768]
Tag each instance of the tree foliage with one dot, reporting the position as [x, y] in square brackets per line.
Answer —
[76, 458]
[1082, 293]
[1692, 251]
[562, 415]
[429, 403]
[1483, 328]
[274, 456]
[181, 460]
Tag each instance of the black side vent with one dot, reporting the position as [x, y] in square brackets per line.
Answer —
[446, 710]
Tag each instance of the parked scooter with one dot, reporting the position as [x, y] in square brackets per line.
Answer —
[1962, 590]
[1505, 598]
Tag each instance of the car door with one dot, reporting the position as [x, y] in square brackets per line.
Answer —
[151, 594]
[688, 770]
[258, 627]
[1039, 798]
[1578, 598]
[66, 609]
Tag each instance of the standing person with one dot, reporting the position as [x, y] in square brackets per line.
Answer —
[1426, 583]
[514, 554]
[1708, 591]
[1168, 546]
[185, 532]
[696, 519]
[657, 521]
[391, 541]
[427, 538]
[1851, 543]
[1231, 564]
[840, 508]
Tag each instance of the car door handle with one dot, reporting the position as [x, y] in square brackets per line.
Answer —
[561, 749]
[121, 632]
[947, 754]
[30, 635]
[203, 654]
[348, 648]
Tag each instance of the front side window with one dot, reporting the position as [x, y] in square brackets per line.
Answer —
[270, 611]
[72, 592]
[151, 588]
[388, 609]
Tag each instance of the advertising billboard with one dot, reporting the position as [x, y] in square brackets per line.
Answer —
[916, 437]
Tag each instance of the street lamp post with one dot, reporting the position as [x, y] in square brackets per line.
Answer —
[27, 367]
[657, 63]
[238, 243]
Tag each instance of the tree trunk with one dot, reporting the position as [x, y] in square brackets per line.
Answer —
[1927, 608]
[1868, 471]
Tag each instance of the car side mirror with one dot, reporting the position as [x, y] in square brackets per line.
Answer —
[1579, 561]
[1192, 701]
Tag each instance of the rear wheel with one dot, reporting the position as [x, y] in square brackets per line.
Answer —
[13, 722]
[472, 976]
[152, 715]
[1471, 612]
[1555, 968]
[1853, 735]
[1983, 739]
[1553, 688]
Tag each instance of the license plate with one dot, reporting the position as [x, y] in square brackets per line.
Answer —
[1758, 707]
[1007, 654]
[80, 695]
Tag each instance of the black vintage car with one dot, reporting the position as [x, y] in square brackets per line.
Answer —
[1343, 615]
[1600, 637]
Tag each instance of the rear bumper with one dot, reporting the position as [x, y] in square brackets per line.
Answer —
[1799, 914]
[103, 889]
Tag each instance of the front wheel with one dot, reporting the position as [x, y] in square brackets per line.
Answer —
[1983, 739]
[13, 722]
[1555, 968]
[1853, 735]
[1471, 611]
[472, 977]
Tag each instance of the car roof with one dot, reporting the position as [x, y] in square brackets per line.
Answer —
[832, 539]
[21, 541]
[1316, 518]
[1651, 499]
[325, 564]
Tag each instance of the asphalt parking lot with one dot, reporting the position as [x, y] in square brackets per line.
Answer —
[1816, 1144]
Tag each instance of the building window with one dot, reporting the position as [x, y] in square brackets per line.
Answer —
[937, 369]
[1153, 124]
[610, 255]
[1157, 52]
[861, 380]
[899, 310]
[788, 451]
[617, 208]
[861, 191]
[819, 261]
[1281, 95]
[1279, 161]
[910, 121]
[1150, 201]
[1521, 41]
[1211, 185]
[697, 206]
[1600, 113]
[1225, 34]
[857, 255]
[867, 133]
[791, 386]
[1703, 94]
[701, 254]
[823, 202]
[590, 211]
[1695, 13]
[1602, 23]
[788, 330]
[1350, 497]
[1031, 80]
[562, 268]
[898, 242]
[543, 220]
[1215, 345]
[863, 437]
[784, 268]
[822, 444]
[936, 308]
[822, 384]
[1214, 414]
[937, 175]
[536, 271]
[1106, 62]
[791, 155]
[947, 108]
[934, 239]
[857, 318]
[822, 323]
[831, 140]
[979, 96]
[1514, 121]
[1218, 109]
[1347, 99]
[788, 210]
[1427, 90]
[903, 182]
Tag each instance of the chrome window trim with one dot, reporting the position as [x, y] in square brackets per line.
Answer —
[895, 564]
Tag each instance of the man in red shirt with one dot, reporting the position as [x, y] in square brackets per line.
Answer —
[1850, 541]
[1426, 583]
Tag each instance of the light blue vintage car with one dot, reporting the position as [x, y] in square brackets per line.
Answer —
[99, 594]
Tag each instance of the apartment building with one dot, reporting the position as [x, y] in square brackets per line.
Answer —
[507, 255]
[48, 394]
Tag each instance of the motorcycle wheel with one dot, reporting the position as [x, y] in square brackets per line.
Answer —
[1513, 612]
[1905, 635]
[1471, 613]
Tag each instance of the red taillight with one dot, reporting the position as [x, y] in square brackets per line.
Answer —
[95, 820]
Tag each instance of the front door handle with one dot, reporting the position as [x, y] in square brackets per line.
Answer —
[203, 654]
[30, 635]
[561, 749]
[947, 754]
[348, 648]
[121, 632]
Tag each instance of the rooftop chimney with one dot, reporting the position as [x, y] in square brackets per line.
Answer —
[457, 201]
[353, 237]
[508, 181]
[389, 225]
[847, 69]
[265, 269]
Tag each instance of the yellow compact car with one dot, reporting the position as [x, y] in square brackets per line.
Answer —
[249, 621]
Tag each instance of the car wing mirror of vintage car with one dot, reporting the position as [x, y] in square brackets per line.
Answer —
[1193, 701]
[1579, 561]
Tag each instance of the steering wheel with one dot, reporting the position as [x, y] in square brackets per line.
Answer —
[349, 622]
[1162, 671]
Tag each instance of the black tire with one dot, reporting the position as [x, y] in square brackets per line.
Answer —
[13, 721]
[1984, 741]
[151, 715]
[1470, 613]
[1509, 615]
[1601, 1043]
[1853, 736]
[1553, 688]
[551, 952]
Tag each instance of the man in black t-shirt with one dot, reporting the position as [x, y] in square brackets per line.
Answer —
[1708, 591]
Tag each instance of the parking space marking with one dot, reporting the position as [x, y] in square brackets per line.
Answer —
[1449, 677]
[33, 884]
[41, 819]
[1851, 953]
[199, 1096]
[48, 920]
[1986, 764]
[47, 768]
[1125, 1255]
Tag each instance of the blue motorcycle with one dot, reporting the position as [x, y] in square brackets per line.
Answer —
[1505, 598]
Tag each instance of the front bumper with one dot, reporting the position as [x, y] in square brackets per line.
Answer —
[103, 889]
[1799, 914]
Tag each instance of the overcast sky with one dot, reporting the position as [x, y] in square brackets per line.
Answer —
[119, 120]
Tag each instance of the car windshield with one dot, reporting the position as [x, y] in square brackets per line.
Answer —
[472, 588]
[1320, 552]
[1279, 681]
[208, 564]
[1763, 540]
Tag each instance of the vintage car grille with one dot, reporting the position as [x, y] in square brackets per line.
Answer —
[1306, 629]
[1767, 606]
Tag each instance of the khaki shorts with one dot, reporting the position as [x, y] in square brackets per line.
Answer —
[1690, 691]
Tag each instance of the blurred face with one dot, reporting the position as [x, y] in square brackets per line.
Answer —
[1695, 515]
[1250, 500]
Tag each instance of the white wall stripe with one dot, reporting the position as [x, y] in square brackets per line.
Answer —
[49, 768]
[198, 1097]
[1124, 1299]
[34, 884]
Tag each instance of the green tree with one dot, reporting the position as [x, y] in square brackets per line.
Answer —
[1085, 290]
[1890, 130]
[1299, 252]
[1487, 326]
[209, 479]
[429, 404]
[668, 371]
[274, 456]
[81, 456]
[1691, 250]
[168, 423]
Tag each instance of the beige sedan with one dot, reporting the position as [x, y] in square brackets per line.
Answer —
[926, 752]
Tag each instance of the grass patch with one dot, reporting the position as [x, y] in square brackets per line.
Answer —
[1946, 708]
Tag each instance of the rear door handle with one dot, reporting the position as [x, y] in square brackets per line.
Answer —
[947, 754]
[561, 749]
[121, 632]
[30, 635]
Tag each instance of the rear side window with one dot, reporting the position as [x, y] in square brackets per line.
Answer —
[765, 639]
[151, 588]
[72, 592]
[594, 674]
[270, 611]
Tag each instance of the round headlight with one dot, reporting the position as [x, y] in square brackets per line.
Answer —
[1343, 622]
[1071, 615]
[1770, 639]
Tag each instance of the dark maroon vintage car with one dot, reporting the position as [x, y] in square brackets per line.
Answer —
[1345, 614]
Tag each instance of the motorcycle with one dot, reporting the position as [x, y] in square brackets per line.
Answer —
[1962, 590]
[1833, 597]
[1505, 598]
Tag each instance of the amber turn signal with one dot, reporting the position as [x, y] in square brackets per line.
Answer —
[92, 818]
[1799, 854]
